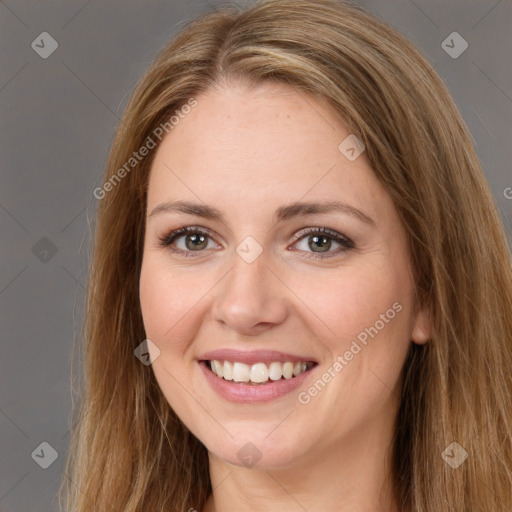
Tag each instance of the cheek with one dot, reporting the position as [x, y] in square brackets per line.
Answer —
[375, 317]
[169, 301]
[366, 314]
[345, 302]
[171, 306]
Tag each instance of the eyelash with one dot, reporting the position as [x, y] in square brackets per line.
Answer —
[167, 240]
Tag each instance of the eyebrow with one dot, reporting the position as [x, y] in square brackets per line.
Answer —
[282, 213]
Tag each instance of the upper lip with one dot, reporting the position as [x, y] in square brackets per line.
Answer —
[253, 356]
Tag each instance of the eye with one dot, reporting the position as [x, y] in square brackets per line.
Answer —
[319, 241]
[322, 239]
[192, 238]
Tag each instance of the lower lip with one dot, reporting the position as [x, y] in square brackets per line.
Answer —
[247, 393]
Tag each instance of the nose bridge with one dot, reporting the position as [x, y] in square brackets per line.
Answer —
[248, 279]
[250, 293]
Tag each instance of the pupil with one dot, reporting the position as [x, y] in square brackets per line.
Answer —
[196, 238]
[322, 240]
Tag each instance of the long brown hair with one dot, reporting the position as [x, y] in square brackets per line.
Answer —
[129, 451]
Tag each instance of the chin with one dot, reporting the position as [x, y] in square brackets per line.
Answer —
[262, 452]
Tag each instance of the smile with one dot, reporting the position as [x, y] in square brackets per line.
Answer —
[258, 373]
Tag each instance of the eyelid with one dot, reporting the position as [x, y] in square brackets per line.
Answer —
[167, 239]
[324, 230]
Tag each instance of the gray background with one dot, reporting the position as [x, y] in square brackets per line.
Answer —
[58, 117]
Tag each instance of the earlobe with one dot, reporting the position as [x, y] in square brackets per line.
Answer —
[422, 329]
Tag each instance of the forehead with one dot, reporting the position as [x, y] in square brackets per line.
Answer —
[260, 147]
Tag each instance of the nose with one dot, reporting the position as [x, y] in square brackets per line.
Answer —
[251, 298]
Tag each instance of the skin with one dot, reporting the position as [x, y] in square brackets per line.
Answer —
[247, 152]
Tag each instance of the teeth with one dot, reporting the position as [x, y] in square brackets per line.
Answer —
[275, 371]
[287, 370]
[218, 368]
[241, 372]
[227, 370]
[257, 373]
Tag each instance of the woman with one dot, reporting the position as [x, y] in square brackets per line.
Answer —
[300, 291]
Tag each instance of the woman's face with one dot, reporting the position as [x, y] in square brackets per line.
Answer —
[274, 274]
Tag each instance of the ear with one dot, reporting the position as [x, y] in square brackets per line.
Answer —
[422, 328]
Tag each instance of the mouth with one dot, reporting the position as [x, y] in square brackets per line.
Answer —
[257, 374]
